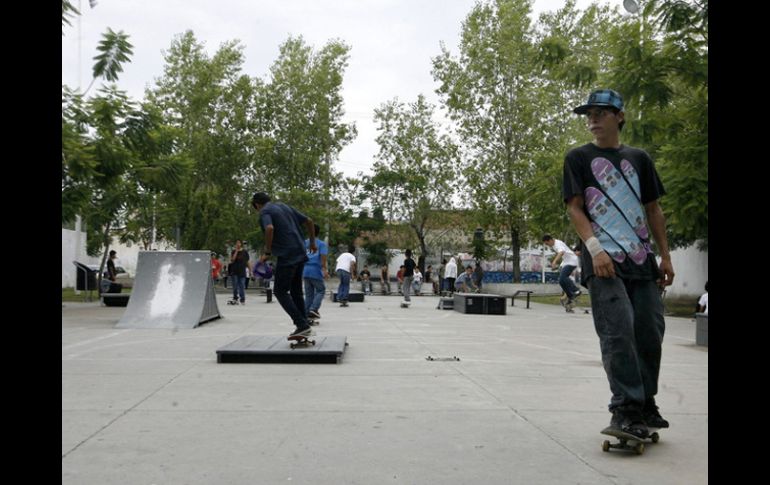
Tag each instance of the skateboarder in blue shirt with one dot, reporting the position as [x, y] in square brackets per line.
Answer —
[314, 274]
[283, 237]
[612, 191]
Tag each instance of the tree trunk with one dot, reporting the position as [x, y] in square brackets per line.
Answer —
[423, 253]
[516, 256]
[423, 248]
[106, 238]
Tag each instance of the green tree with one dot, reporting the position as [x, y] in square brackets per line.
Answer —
[658, 61]
[81, 166]
[114, 50]
[493, 92]
[572, 51]
[303, 110]
[158, 169]
[661, 67]
[211, 103]
[411, 178]
[67, 11]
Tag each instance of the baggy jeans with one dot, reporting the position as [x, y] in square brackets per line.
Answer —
[288, 291]
[566, 282]
[314, 293]
[628, 318]
[343, 290]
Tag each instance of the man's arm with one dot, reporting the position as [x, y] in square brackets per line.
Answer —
[556, 260]
[324, 266]
[268, 243]
[603, 266]
[657, 223]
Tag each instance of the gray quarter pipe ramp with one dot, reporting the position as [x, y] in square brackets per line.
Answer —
[172, 289]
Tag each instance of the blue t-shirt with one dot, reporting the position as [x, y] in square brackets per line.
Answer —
[288, 243]
[313, 267]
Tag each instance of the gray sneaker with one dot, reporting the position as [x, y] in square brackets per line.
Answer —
[314, 314]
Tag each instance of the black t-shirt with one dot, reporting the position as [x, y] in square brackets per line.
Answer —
[288, 242]
[409, 265]
[615, 184]
[111, 271]
[238, 267]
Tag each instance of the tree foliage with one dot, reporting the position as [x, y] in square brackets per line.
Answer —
[492, 90]
[412, 173]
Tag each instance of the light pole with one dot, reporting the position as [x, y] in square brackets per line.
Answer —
[631, 6]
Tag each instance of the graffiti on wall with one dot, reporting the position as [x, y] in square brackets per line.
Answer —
[526, 277]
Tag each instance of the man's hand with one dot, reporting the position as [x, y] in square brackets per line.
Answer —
[603, 266]
[667, 273]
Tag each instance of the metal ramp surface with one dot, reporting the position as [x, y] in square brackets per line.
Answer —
[276, 350]
[172, 289]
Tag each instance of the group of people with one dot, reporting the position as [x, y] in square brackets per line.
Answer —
[239, 272]
[611, 192]
[469, 280]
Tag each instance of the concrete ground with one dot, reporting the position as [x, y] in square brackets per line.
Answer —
[523, 405]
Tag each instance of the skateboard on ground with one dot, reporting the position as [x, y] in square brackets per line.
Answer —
[232, 302]
[405, 304]
[628, 441]
[568, 307]
[299, 341]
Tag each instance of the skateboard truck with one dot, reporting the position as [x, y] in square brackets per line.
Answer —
[299, 341]
[636, 444]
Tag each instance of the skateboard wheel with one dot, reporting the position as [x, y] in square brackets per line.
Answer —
[639, 448]
[606, 445]
[655, 437]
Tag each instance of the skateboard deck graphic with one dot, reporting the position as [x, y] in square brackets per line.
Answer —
[625, 195]
[628, 441]
[606, 215]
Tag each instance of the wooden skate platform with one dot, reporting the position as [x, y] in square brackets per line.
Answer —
[273, 349]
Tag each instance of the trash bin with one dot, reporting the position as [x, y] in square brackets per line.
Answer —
[702, 329]
[85, 278]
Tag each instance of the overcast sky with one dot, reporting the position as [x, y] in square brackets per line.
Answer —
[392, 43]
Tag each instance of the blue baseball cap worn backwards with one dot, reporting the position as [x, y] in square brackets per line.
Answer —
[602, 98]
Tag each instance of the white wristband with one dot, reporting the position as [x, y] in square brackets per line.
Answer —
[594, 246]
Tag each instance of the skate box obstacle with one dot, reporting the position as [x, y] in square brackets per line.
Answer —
[446, 304]
[357, 297]
[115, 299]
[479, 303]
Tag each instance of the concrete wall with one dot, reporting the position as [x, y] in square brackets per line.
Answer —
[73, 249]
[691, 268]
